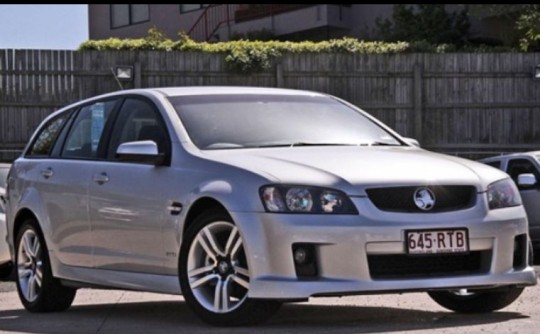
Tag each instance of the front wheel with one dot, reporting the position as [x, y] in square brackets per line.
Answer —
[214, 274]
[38, 290]
[476, 301]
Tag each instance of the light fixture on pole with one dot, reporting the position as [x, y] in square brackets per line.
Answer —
[124, 73]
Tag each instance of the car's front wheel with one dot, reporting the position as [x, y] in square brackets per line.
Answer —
[38, 290]
[214, 274]
[476, 301]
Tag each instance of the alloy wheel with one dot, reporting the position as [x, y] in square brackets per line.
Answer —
[217, 268]
[30, 265]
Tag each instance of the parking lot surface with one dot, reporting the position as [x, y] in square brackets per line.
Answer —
[118, 312]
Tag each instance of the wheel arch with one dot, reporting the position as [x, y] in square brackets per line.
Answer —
[234, 312]
[201, 205]
[49, 295]
[23, 215]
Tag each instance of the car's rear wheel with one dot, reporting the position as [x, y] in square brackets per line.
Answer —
[476, 301]
[38, 290]
[214, 274]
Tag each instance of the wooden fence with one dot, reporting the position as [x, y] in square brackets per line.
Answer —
[461, 103]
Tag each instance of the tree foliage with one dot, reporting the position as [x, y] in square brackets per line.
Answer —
[525, 19]
[425, 22]
[529, 24]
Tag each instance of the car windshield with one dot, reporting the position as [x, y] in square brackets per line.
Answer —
[247, 121]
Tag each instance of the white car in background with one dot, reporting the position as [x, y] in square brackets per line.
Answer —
[242, 198]
[524, 169]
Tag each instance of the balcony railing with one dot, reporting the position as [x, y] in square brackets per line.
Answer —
[211, 19]
[252, 12]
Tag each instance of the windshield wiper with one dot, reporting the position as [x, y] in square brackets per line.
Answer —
[380, 143]
[299, 144]
[302, 143]
[224, 145]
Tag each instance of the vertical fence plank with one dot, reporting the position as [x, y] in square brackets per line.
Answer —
[417, 100]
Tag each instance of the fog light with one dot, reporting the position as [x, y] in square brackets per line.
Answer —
[300, 256]
[305, 260]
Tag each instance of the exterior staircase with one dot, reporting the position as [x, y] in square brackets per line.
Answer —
[211, 20]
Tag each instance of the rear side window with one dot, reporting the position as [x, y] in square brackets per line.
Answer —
[496, 164]
[85, 133]
[47, 135]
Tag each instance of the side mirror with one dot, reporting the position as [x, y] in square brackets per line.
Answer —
[2, 199]
[526, 180]
[145, 152]
[412, 141]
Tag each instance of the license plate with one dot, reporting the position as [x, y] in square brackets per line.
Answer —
[437, 241]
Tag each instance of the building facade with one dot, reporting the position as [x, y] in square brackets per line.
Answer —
[221, 22]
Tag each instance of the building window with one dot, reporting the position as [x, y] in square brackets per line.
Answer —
[124, 15]
[192, 7]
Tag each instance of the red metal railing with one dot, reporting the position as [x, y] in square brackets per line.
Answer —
[212, 18]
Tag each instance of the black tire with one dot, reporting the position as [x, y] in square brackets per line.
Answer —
[31, 264]
[477, 301]
[227, 271]
[6, 272]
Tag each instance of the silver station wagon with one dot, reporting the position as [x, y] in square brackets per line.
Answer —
[241, 199]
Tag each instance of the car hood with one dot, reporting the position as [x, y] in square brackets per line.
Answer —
[355, 168]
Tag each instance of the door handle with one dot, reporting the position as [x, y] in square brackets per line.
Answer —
[101, 178]
[47, 173]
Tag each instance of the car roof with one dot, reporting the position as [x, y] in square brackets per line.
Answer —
[533, 154]
[200, 90]
[211, 90]
[229, 90]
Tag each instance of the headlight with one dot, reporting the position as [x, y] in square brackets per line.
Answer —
[301, 199]
[502, 194]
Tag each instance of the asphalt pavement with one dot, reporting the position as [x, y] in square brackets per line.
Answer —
[124, 312]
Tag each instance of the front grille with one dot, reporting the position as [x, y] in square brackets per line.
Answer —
[427, 266]
[401, 199]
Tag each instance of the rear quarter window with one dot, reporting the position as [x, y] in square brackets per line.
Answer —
[47, 135]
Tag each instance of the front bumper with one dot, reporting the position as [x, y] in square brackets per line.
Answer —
[343, 244]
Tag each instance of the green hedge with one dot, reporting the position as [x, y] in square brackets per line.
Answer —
[250, 56]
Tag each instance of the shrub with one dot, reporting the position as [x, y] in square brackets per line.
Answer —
[251, 56]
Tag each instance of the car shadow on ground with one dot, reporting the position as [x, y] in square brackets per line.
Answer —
[175, 317]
